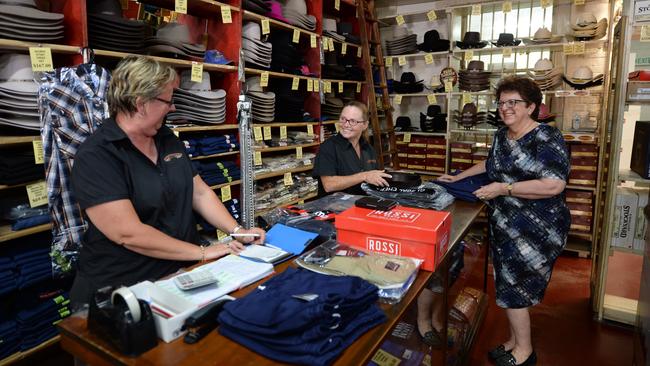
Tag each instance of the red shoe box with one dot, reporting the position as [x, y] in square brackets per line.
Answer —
[403, 231]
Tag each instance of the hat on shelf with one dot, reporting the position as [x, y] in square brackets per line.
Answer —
[469, 116]
[263, 109]
[286, 57]
[346, 29]
[108, 30]
[276, 11]
[584, 21]
[507, 40]
[329, 29]
[197, 102]
[408, 84]
[289, 104]
[543, 35]
[475, 78]
[255, 50]
[256, 6]
[403, 123]
[545, 74]
[174, 39]
[434, 120]
[596, 30]
[22, 20]
[433, 43]
[216, 57]
[471, 40]
[583, 78]
[402, 43]
[19, 92]
[545, 115]
[639, 75]
[296, 13]
[494, 118]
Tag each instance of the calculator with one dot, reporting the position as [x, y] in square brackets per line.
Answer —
[194, 279]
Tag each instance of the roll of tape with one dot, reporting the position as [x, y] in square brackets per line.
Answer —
[130, 300]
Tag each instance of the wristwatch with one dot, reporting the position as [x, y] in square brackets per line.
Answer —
[509, 188]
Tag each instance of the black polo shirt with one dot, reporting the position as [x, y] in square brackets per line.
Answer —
[108, 167]
[336, 157]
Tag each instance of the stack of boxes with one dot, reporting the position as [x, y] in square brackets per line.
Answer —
[584, 164]
[581, 205]
[423, 153]
[630, 225]
[462, 155]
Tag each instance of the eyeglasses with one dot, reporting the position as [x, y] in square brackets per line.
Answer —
[168, 102]
[351, 122]
[511, 103]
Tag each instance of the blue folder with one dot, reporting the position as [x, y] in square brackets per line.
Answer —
[289, 239]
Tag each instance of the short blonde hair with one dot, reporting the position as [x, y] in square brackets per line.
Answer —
[137, 77]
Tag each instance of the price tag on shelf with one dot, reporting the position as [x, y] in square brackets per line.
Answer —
[226, 15]
[467, 98]
[568, 49]
[546, 3]
[295, 83]
[431, 15]
[328, 87]
[258, 158]
[507, 52]
[264, 79]
[358, 87]
[330, 42]
[358, 52]
[267, 133]
[301, 202]
[476, 9]
[506, 7]
[310, 85]
[579, 48]
[407, 137]
[226, 195]
[431, 99]
[337, 4]
[398, 99]
[389, 61]
[469, 55]
[340, 87]
[197, 72]
[449, 87]
[221, 235]
[299, 152]
[579, 2]
[310, 129]
[316, 85]
[288, 179]
[266, 27]
[645, 33]
[41, 59]
[296, 36]
[337, 127]
[283, 132]
[37, 194]
[257, 132]
[401, 60]
[312, 41]
[428, 58]
[180, 6]
[399, 19]
[326, 45]
[344, 48]
[37, 145]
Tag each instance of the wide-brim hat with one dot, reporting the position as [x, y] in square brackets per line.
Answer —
[28, 13]
[471, 40]
[8, 100]
[582, 84]
[276, 11]
[262, 49]
[507, 40]
[22, 122]
[433, 43]
[259, 7]
[217, 94]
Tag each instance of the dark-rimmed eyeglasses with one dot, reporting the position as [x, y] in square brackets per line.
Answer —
[510, 103]
[351, 122]
[168, 102]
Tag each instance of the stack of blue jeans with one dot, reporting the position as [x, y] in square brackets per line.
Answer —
[302, 317]
[7, 275]
[9, 338]
[34, 265]
[214, 173]
[22, 216]
[38, 324]
[211, 145]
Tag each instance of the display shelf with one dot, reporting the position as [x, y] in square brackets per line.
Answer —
[460, 93]
[567, 93]
[620, 309]
[249, 15]
[220, 127]
[347, 43]
[533, 46]
[411, 17]
[345, 81]
[330, 122]
[283, 171]
[418, 54]
[293, 202]
[287, 124]
[233, 183]
[170, 61]
[415, 95]
[250, 70]
[626, 250]
[10, 44]
[418, 133]
[583, 249]
[24, 354]
[15, 140]
[626, 175]
[475, 132]
[2, 186]
[581, 235]
[7, 234]
[287, 148]
[199, 8]
[229, 153]
[580, 188]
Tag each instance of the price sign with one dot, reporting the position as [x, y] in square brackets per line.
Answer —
[226, 15]
[547, 3]
[316, 85]
[344, 48]
[398, 99]
[310, 129]
[568, 49]
[407, 137]
[340, 87]
[266, 27]
[358, 87]
[431, 15]
[579, 48]
[267, 132]
[507, 52]
[389, 61]
[431, 99]
[337, 4]
[579, 2]
[257, 132]
[283, 132]
[197, 72]
[467, 98]
[401, 60]
[399, 19]
[37, 194]
[326, 44]
[295, 83]
[299, 152]
[645, 33]
[312, 41]
[449, 86]
[264, 79]
[288, 179]
[41, 59]
[258, 158]
[38, 151]
[180, 6]
[330, 42]
[296, 36]
[226, 195]
[476, 9]
[221, 235]
[328, 87]
[506, 7]
[310, 85]
[359, 52]
[469, 55]
[428, 59]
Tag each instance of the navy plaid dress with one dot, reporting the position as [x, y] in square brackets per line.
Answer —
[527, 235]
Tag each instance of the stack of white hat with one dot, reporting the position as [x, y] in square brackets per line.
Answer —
[197, 102]
[255, 50]
[545, 74]
[18, 92]
[263, 109]
[586, 27]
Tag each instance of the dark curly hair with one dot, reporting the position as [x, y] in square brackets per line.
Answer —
[527, 89]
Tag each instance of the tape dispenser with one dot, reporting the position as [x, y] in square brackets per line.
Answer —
[118, 316]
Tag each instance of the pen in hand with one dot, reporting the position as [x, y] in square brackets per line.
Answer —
[236, 235]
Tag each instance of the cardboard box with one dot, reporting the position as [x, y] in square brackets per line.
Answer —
[638, 91]
[403, 231]
[641, 229]
[640, 162]
[625, 212]
[641, 10]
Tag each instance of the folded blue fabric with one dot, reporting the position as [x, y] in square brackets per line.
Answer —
[31, 342]
[463, 188]
[22, 254]
[28, 222]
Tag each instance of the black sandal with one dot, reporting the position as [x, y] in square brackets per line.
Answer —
[497, 352]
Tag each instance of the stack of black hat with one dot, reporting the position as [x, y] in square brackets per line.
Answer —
[434, 120]
[345, 29]
[433, 43]
[289, 104]
[403, 124]
[474, 78]
[470, 116]
[22, 20]
[333, 106]
[471, 40]
[507, 40]
[174, 40]
[286, 57]
[330, 29]
[408, 84]
[109, 31]
[402, 43]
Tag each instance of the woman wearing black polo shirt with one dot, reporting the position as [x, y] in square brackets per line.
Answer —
[347, 159]
[138, 188]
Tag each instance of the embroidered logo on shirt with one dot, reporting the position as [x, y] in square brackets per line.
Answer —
[372, 161]
[172, 156]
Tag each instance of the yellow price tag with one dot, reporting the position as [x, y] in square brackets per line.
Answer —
[267, 132]
[344, 48]
[266, 27]
[288, 179]
[507, 52]
[37, 194]
[312, 41]
[546, 3]
[359, 52]
[579, 48]
[316, 85]
[41, 58]
[645, 33]
[506, 7]
[431, 15]
[328, 87]
[296, 36]
[340, 87]
[407, 137]
[579, 2]
[295, 83]
[568, 49]
[401, 60]
[38, 151]
[469, 55]
[197, 72]
[299, 152]
[226, 195]
[180, 6]
[449, 86]
[178, 134]
[389, 61]
[283, 132]
[358, 87]
[258, 158]
[310, 129]
[398, 99]
[326, 46]
[399, 19]
[257, 132]
[226, 15]
[431, 99]
[428, 58]
[476, 9]
[221, 235]
[337, 127]
[330, 42]
[467, 98]
[337, 4]
[310, 85]
[264, 79]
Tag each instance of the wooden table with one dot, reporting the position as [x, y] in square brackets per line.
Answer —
[215, 349]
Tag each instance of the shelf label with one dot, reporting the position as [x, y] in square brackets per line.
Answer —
[41, 58]
[197, 72]
[288, 179]
[398, 99]
[358, 87]
[337, 127]
[399, 19]
[431, 15]
[401, 60]
[310, 129]
[407, 137]
[226, 195]
[645, 33]
[476, 9]
[340, 87]
[264, 79]
[312, 41]
[37, 194]
[507, 52]
[547, 3]
[568, 49]
[467, 98]
[330, 42]
[283, 132]
[389, 61]
[337, 4]
[180, 6]
[310, 85]
[579, 2]
[506, 7]
[295, 83]
[299, 152]
[296, 36]
[358, 52]
[177, 133]
[428, 58]
[325, 44]
[579, 48]
[449, 86]
[431, 99]
[267, 132]
[258, 158]
[344, 48]
[221, 235]
[469, 55]
[316, 85]
[266, 27]
[383, 358]
[226, 15]
[328, 87]
[257, 131]
[38, 151]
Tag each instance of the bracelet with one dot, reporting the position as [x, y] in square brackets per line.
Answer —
[202, 253]
[236, 229]
[509, 187]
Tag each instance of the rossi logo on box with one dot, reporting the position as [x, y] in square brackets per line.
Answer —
[383, 245]
[395, 215]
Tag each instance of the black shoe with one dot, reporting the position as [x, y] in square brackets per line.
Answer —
[509, 360]
[497, 352]
[432, 338]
